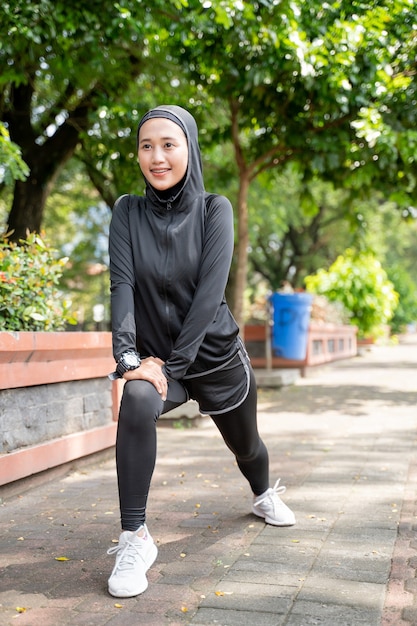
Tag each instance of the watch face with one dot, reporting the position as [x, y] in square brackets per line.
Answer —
[131, 360]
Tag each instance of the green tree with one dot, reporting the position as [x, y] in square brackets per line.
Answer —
[298, 227]
[399, 252]
[328, 86]
[406, 287]
[60, 63]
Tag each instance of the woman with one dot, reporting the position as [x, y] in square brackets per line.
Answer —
[174, 337]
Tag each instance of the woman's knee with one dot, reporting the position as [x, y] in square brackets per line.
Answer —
[140, 401]
[250, 451]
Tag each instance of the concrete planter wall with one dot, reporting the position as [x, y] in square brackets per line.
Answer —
[325, 343]
[56, 402]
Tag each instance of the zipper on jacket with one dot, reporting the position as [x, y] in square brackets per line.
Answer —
[168, 238]
[170, 201]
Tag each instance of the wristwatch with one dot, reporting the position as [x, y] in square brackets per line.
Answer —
[130, 360]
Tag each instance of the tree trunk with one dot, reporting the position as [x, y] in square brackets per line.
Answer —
[44, 159]
[27, 208]
[242, 249]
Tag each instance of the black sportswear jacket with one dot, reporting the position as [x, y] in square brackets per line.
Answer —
[169, 265]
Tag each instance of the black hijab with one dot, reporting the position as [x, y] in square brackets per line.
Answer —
[192, 185]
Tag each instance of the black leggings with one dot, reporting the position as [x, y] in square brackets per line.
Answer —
[136, 443]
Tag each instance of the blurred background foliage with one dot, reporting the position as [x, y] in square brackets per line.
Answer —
[307, 116]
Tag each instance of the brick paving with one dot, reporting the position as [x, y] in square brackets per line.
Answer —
[344, 441]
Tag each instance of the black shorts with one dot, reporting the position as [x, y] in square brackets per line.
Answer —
[222, 389]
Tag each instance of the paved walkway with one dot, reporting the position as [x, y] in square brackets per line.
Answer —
[344, 441]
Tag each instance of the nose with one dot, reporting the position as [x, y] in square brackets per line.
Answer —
[157, 155]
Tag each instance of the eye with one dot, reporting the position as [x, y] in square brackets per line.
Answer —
[169, 145]
[146, 146]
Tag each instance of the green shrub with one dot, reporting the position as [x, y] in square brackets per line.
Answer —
[30, 299]
[358, 281]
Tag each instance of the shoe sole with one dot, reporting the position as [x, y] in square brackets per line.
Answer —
[121, 593]
[269, 520]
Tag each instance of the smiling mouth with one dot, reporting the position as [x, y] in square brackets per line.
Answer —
[164, 171]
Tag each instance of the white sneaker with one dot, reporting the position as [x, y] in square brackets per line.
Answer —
[134, 556]
[270, 506]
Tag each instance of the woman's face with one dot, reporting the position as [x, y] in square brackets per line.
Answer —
[162, 152]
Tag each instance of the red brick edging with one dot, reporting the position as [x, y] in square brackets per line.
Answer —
[400, 607]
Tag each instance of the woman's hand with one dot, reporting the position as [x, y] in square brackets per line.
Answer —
[150, 370]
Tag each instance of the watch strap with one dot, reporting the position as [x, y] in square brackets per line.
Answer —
[114, 375]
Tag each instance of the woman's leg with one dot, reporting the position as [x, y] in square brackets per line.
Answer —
[140, 409]
[240, 432]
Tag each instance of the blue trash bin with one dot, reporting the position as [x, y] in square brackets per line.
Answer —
[291, 318]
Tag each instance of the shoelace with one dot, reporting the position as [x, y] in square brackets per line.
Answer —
[129, 552]
[275, 491]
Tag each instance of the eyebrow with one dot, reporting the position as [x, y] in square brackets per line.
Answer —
[163, 139]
